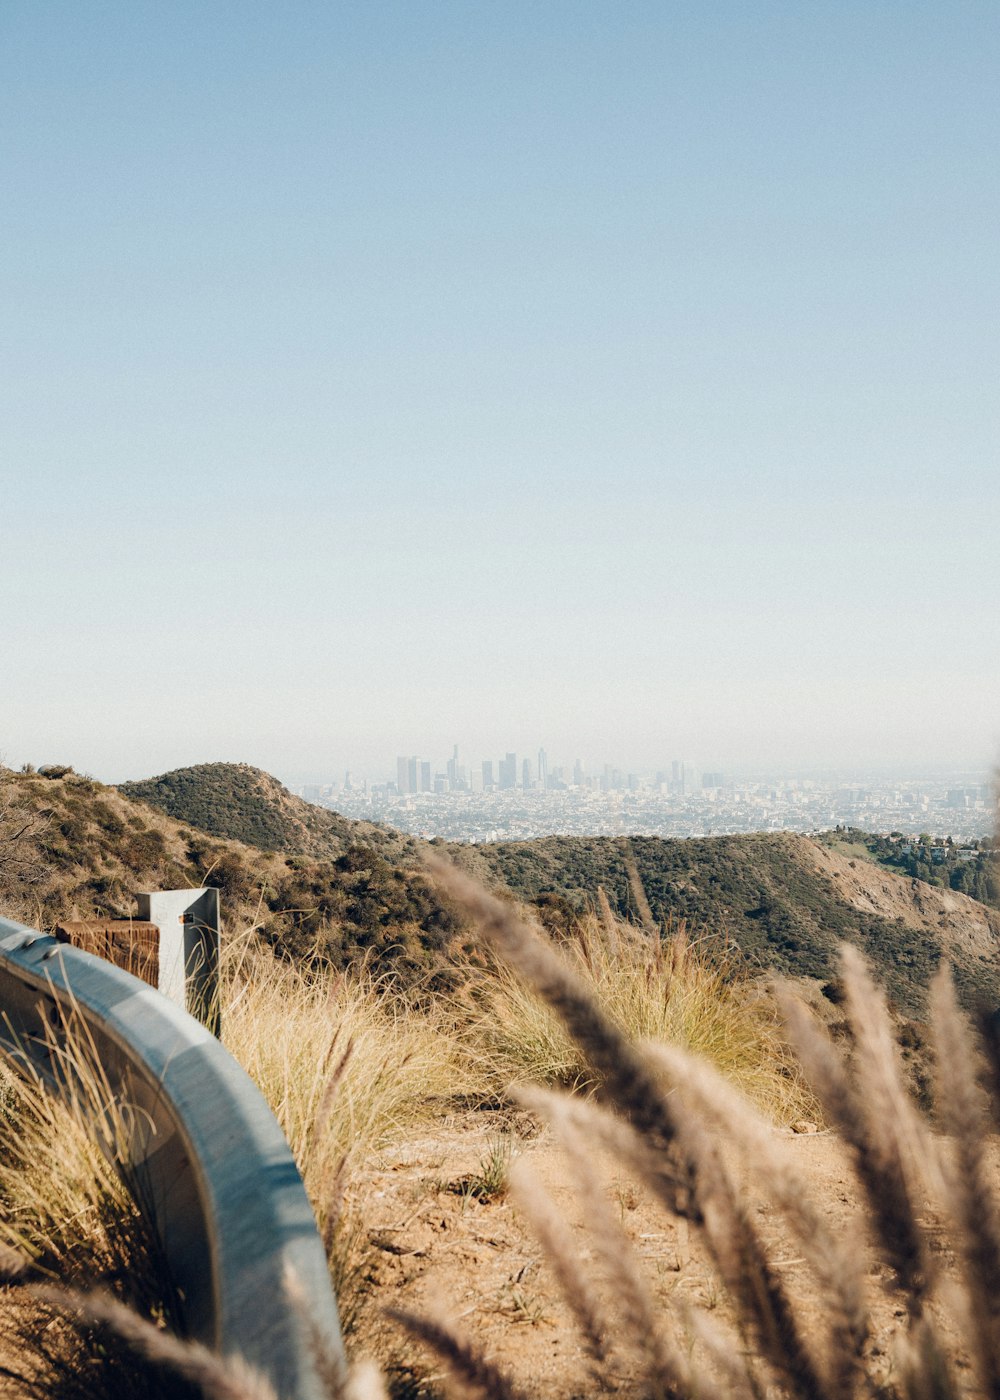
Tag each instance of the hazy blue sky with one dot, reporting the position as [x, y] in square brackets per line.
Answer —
[617, 377]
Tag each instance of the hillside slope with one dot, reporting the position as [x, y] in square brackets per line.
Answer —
[243, 803]
[784, 900]
[320, 884]
[71, 847]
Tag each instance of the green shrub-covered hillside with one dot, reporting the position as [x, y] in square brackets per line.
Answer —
[772, 896]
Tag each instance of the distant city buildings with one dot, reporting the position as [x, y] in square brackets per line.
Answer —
[413, 774]
[455, 773]
[500, 799]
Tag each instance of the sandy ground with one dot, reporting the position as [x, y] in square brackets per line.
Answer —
[438, 1248]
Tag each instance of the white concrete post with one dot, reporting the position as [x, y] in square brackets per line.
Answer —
[189, 926]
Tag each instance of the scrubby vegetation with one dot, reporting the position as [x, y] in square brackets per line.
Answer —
[241, 803]
[762, 892]
[969, 867]
[73, 848]
[338, 890]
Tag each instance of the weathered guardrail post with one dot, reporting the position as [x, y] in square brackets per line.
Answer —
[173, 944]
[189, 926]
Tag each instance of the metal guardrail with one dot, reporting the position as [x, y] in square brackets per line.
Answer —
[215, 1173]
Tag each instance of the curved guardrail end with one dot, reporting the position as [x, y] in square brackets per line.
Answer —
[212, 1168]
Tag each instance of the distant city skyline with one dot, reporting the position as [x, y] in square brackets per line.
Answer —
[505, 769]
[560, 760]
[678, 802]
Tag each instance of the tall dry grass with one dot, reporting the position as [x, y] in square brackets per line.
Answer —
[350, 1063]
[685, 1070]
[674, 1122]
[70, 1218]
[348, 1066]
[654, 985]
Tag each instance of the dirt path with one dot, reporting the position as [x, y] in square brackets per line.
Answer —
[439, 1248]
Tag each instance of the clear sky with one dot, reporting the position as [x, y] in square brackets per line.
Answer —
[619, 377]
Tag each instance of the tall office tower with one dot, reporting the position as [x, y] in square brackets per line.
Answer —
[689, 778]
[413, 774]
[676, 771]
[452, 768]
[526, 774]
[578, 774]
[402, 775]
[543, 769]
[425, 777]
[713, 780]
[487, 774]
[508, 772]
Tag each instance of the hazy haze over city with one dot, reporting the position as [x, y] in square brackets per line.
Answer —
[522, 796]
[616, 378]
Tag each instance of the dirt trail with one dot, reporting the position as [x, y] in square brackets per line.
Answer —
[439, 1248]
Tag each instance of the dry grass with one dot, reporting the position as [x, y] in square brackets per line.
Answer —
[680, 1058]
[654, 985]
[68, 1217]
[666, 1115]
[343, 1060]
[347, 1066]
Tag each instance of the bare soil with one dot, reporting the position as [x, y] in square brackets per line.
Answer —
[438, 1246]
